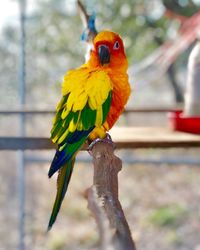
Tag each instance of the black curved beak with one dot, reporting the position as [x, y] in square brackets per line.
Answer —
[104, 54]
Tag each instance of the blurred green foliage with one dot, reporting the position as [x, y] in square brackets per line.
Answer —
[53, 38]
[141, 23]
[182, 7]
[168, 215]
[173, 238]
[57, 242]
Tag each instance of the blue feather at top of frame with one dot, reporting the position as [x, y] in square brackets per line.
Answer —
[90, 26]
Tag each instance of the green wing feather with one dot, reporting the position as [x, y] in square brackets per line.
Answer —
[73, 123]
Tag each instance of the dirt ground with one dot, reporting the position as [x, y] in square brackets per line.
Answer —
[161, 203]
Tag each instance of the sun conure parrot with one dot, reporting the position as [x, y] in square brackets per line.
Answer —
[93, 97]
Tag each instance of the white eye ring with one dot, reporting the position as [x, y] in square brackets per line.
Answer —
[116, 45]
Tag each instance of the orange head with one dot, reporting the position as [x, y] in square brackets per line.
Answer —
[108, 51]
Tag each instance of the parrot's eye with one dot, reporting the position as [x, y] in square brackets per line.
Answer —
[116, 45]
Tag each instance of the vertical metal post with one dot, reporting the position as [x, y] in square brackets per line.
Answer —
[22, 91]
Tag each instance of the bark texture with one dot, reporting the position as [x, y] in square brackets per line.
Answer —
[103, 199]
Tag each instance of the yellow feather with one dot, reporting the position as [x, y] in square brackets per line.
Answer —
[101, 86]
[65, 87]
[84, 85]
[70, 100]
[61, 148]
[80, 126]
[61, 139]
[58, 106]
[99, 117]
[54, 120]
[65, 113]
[80, 102]
[54, 139]
[72, 126]
[106, 126]
[97, 132]
[98, 98]
[92, 102]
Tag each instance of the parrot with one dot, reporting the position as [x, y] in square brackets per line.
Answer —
[93, 97]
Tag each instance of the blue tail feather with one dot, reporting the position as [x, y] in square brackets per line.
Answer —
[59, 160]
[74, 142]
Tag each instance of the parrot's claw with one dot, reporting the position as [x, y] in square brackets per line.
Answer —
[107, 139]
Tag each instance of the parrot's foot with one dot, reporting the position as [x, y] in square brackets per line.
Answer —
[107, 139]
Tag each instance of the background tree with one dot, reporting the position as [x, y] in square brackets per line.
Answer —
[53, 35]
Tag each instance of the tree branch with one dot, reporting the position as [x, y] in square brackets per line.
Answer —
[104, 194]
[83, 13]
[90, 30]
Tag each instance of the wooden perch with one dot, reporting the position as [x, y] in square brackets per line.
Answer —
[103, 199]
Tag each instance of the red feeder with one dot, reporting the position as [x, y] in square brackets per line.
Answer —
[185, 124]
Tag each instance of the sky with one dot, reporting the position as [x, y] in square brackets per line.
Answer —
[9, 11]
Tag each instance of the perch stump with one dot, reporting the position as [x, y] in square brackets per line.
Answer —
[103, 199]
